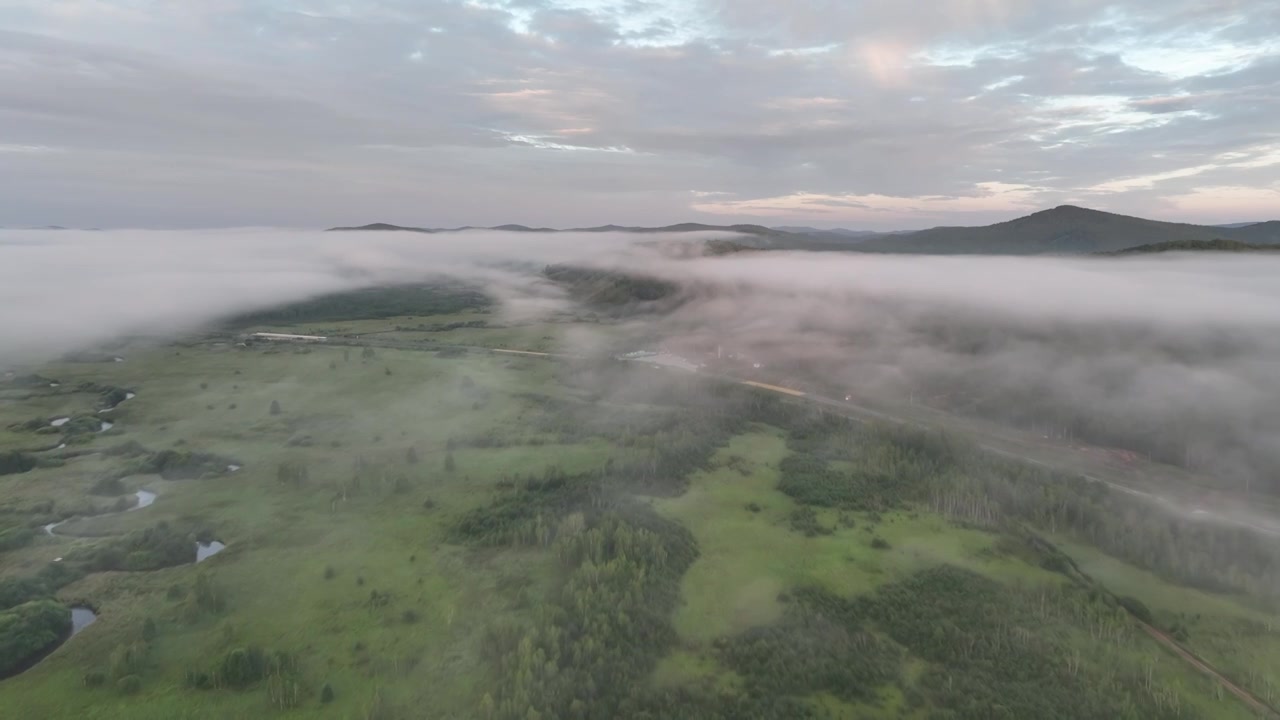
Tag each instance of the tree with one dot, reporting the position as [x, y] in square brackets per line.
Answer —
[449, 464]
[367, 352]
[326, 693]
[149, 630]
[411, 456]
[275, 407]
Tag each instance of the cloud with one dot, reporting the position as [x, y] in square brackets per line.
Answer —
[64, 289]
[233, 113]
[986, 197]
[1172, 354]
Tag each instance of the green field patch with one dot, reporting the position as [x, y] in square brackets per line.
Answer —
[750, 557]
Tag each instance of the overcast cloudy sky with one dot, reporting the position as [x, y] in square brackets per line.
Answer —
[857, 113]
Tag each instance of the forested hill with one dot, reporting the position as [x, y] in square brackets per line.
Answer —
[1064, 230]
[1233, 246]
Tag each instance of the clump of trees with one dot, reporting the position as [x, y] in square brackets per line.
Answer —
[29, 629]
[14, 462]
[159, 546]
[393, 301]
[604, 632]
[185, 464]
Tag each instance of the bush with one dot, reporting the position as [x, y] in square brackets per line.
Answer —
[29, 629]
[95, 678]
[109, 485]
[329, 572]
[880, 544]
[1136, 608]
[326, 693]
[15, 462]
[198, 679]
[128, 660]
[409, 616]
[805, 520]
[129, 684]
[16, 538]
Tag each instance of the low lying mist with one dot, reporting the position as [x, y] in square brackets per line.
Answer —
[63, 290]
[1175, 357]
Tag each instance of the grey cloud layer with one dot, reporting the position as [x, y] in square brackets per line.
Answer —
[573, 112]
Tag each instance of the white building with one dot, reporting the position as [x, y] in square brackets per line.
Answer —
[286, 337]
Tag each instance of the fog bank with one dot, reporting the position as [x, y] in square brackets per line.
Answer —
[62, 290]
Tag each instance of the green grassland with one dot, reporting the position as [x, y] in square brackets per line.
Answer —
[396, 531]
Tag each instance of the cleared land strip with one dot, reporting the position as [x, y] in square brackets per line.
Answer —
[1254, 702]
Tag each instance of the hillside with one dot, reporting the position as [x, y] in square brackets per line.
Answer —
[1196, 246]
[381, 227]
[1064, 230]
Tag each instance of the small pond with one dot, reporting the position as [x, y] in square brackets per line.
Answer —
[204, 551]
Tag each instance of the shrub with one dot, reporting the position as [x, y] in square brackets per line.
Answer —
[1136, 608]
[129, 684]
[329, 572]
[198, 679]
[326, 693]
[880, 544]
[107, 486]
[95, 678]
[805, 520]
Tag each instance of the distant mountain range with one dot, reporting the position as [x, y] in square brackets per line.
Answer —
[682, 227]
[1064, 230]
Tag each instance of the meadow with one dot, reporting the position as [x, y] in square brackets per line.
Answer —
[452, 533]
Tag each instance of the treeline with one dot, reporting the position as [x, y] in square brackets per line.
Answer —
[613, 291]
[443, 298]
[993, 651]
[894, 465]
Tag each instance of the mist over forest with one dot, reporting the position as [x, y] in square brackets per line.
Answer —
[1176, 357]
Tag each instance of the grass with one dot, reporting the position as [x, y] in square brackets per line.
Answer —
[302, 561]
[748, 558]
[420, 650]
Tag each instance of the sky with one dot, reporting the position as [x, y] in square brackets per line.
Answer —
[867, 114]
